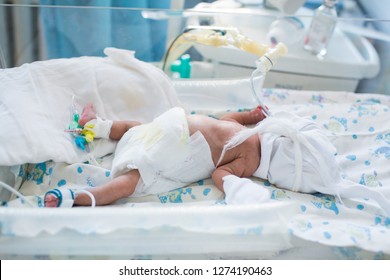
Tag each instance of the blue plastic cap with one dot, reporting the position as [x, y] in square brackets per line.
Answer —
[182, 66]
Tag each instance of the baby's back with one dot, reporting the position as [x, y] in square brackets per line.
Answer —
[218, 132]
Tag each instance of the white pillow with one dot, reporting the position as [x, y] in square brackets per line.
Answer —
[36, 98]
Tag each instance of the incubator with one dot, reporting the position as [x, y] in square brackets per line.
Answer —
[68, 59]
[350, 57]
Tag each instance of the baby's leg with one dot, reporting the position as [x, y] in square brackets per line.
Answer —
[246, 117]
[120, 187]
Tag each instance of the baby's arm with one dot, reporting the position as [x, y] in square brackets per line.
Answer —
[246, 117]
[119, 128]
[238, 190]
[104, 128]
[218, 176]
[108, 129]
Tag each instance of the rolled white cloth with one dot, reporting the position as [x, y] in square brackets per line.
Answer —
[243, 191]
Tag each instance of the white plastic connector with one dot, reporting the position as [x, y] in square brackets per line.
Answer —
[269, 59]
[264, 64]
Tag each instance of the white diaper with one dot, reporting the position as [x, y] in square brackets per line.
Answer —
[164, 153]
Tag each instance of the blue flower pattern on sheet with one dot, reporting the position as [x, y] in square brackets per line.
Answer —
[317, 98]
[302, 225]
[372, 101]
[383, 138]
[383, 151]
[22, 171]
[276, 95]
[326, 202]
[257, 230]
[38, 173]
[176, 196]
[359, 232]
[279, 194]
[365, 108]
[370, 180]
[383, 221]
[337, 124]
[91, 182]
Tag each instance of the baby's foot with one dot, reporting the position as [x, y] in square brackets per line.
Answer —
[59, 197]
[87, 114]
[51, 201]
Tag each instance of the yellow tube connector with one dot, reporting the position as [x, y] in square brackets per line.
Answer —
[218, 37]
[213, 39]
[246, 44]
[231, 37]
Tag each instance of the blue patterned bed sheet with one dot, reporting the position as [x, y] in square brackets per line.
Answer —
[359, 128]
[40, 178]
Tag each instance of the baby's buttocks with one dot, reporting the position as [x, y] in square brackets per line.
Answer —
[164, 153]
[194, 163]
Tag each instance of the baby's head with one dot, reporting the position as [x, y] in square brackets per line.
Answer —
[295, 152]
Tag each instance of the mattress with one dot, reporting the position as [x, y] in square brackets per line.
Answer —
[194, 221]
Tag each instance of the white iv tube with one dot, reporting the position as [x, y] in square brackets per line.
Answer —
[264, 64]
[15, 192]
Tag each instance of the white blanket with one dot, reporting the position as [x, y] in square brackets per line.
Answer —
[36, 98]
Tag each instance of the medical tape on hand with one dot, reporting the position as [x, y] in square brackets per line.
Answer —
[101, 128]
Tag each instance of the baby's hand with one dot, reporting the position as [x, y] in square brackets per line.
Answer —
[98, 128]
[263, 110]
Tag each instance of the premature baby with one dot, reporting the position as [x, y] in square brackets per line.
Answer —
[172, 151]
[177, 149]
